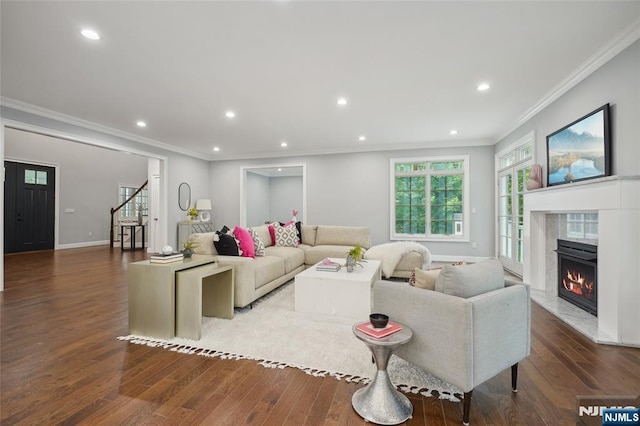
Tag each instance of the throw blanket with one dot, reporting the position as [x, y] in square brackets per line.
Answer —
[389, 254]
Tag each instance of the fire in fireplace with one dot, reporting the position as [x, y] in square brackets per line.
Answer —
[578, 274]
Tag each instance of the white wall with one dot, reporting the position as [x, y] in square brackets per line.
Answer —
[353, 189]
[617, 83]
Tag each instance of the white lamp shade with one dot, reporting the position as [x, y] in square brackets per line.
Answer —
[203, 205]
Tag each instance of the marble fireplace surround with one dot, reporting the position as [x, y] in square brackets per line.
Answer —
[616, 199]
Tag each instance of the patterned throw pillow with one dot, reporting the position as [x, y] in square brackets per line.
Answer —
[258, 245]
[286, 236]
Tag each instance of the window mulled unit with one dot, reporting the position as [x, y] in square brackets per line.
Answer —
[430, 198]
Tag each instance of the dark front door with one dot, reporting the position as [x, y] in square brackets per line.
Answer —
[29, 201]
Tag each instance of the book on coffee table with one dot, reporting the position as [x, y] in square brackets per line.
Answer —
[378, 333]
[166, 257]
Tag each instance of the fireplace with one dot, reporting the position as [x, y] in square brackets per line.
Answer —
[578, 274]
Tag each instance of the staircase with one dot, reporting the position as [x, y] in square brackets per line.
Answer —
[114, 229]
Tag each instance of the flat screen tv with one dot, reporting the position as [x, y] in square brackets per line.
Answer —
[580, 150]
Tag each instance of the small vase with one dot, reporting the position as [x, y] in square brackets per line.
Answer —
[351, 263]
[187, 253]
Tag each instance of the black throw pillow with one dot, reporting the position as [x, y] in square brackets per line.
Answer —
[226, 244]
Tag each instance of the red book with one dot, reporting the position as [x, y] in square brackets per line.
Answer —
[378, 333]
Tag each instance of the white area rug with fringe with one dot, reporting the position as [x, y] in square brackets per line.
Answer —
[278, 337]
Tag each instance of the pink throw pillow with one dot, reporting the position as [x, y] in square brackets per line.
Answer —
[245, 240]
[272, 233]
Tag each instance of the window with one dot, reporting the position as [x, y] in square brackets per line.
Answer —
[582, 225]
[140, 202]
[430, 198]
[35, 177]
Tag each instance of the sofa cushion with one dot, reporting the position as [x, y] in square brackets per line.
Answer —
[286, 236]
[203, 243]
[293, 257]
[245, 242]
[308, 234]
[258, 244]
[342, 236]
[315, 254]
[267, 269]
[472, 279]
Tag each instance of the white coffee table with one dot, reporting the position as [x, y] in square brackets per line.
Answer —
[342, 293]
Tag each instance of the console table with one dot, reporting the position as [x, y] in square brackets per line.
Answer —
[132, 236]
[169, 299]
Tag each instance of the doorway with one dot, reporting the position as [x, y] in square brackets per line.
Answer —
[29, 207]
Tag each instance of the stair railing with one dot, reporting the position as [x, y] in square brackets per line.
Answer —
[117, 209]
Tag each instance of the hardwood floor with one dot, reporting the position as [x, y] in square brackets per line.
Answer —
[62, 364]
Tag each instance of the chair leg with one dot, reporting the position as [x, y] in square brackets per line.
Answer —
[514, 377]
[466, 407]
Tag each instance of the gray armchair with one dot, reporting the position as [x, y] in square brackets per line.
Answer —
[463, 338]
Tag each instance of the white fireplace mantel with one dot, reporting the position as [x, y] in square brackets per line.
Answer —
[617, 201]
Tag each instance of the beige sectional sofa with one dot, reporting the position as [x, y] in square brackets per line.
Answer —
[255, 277]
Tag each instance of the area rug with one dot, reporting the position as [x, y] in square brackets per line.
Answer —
[277, 336]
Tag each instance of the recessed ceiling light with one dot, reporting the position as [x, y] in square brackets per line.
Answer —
[362, 138]
[453, 132]
[279, 169]
[216, 148]
[141, 123]
[283, 144]
[90, 34]
[342, 101]
[230, 114]
[482, 87]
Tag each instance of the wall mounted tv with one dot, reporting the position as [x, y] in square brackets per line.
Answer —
[580, 150]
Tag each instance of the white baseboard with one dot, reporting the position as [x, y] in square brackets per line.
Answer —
[83, 244]
[450, 258]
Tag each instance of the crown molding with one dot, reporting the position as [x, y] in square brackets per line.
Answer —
[623, 40]
[365, 148]
[90, 125]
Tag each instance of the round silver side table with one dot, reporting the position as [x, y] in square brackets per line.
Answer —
[379, 402]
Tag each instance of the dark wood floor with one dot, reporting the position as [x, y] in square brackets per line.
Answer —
[61, 363]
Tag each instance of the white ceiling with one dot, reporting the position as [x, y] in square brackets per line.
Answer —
[408, 69]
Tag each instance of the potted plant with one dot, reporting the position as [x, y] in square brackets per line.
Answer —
[187, 248]
[192, 213]
[354, 257]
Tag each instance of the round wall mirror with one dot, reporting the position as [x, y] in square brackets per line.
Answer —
[184, 196]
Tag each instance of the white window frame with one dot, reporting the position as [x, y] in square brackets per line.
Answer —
[135, 209]
[464, 237]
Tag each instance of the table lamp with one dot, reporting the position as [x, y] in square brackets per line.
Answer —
[203, 207]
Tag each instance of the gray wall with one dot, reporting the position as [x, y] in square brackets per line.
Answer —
[180, 168]
[272, 198]
[285, 194]
[353, 189]
[617, 83]
[88, 178]
[257, 191]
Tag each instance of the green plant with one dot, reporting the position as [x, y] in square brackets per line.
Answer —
[356, 253]
[188, 245]
[192, 212]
